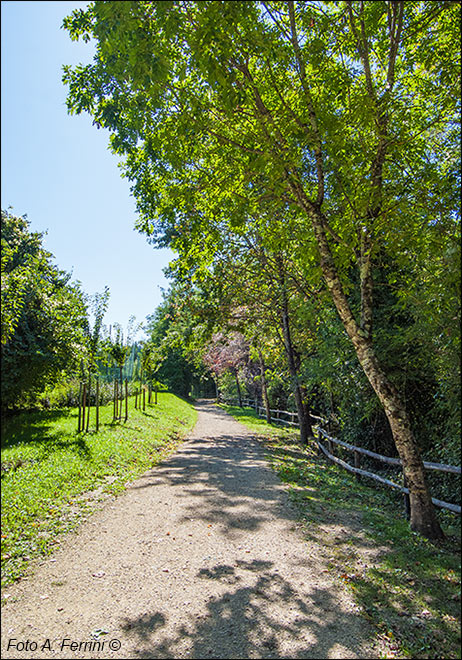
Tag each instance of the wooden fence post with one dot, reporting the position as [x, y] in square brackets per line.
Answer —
[407, 501]
[116, 398]
[126, 399]
[361, 473]
[144, 398]
[97, 404]
[80, 408]
[357, 464]
[141, 385]
[84, 401]
[89, 404]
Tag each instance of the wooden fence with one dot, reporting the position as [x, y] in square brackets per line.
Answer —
[357, 453]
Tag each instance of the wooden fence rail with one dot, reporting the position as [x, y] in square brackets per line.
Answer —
[358, 451]
[387, 459]
[387, 482]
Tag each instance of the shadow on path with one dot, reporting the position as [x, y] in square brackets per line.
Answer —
[246, 622]
[261, 608]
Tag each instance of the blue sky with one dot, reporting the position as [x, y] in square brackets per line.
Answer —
[57, 169]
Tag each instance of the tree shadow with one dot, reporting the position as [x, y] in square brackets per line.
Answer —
[24, 428]
[268, 619]
[249, 413]
[382, 559]
[40, 433]
[51, 444]
[221, 485]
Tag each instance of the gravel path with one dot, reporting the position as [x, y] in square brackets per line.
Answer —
[201, 557]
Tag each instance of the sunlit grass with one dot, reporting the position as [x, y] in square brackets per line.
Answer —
[47, 466]
[410, 591]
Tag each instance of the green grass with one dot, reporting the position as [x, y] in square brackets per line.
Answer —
[49, 470]
[406, 586]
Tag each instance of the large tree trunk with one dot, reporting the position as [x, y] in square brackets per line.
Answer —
[423, 518]
[303, 419]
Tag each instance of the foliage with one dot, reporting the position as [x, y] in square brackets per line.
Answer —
[48, 471]
[66, 394]
[323, 137]
[118, 350]
[98, 306]
[226, 353]
[217, 125]
[45, 315]
[174, 354]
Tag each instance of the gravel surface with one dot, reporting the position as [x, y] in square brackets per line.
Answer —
[202, 557]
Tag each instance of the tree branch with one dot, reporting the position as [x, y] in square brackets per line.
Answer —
[311, 113]
[361, 43]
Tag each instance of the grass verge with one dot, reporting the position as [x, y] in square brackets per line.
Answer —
[406, 586]
[53, 477]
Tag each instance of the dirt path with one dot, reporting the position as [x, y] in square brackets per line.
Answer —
[202, 557]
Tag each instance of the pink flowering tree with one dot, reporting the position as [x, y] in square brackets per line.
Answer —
[227, 354]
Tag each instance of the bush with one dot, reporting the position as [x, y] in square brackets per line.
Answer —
[66, 394]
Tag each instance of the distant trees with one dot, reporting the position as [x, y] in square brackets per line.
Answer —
[175, 345]
[43, 315]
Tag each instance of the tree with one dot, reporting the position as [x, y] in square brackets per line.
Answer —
[172, 358]
[19, 258]
[119, 350]
[99, 303]
[43, 315]
[284, 105]
[228, 353]
[258, 278]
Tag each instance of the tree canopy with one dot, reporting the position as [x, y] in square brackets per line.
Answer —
[43, 314]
